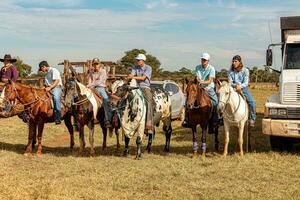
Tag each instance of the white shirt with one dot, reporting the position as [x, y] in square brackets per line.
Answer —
[52, 75]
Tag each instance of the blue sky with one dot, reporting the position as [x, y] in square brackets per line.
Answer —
[175, 31]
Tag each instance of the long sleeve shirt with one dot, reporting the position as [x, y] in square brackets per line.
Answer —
[240, 77]
[10, 73]
[204, 74]
[98, 78]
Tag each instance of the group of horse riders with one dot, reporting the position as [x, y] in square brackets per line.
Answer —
[238, 76]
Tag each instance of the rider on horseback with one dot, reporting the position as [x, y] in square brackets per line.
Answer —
[205, 74]
[54, 84]
[238, 76]
[97, 80]
[142, 73]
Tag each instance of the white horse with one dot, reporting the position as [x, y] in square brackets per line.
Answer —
[235, 113]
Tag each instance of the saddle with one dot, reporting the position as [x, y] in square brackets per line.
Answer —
[98, 96]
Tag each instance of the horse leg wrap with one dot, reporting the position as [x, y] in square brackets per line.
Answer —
[204, 147]
[195, 146]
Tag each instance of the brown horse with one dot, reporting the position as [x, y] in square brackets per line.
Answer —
[199, 111]
[81, 108]
[37, 103]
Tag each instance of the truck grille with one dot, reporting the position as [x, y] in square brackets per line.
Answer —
[291, 93]
[293, 113]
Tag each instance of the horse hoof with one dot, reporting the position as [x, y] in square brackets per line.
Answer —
[126, 152]
[27, 154]
[203, 156]
[138, 157]
[166, 150]
[39, 155]
[195, 154]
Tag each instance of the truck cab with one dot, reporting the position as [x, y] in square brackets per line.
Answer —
[282, 111]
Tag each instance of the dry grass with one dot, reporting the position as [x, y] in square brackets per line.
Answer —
[59, 174]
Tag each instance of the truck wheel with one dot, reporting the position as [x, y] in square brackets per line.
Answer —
[281, 143]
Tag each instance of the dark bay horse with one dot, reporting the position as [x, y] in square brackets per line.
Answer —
[82, 110]
[199, 108]
[37, 103]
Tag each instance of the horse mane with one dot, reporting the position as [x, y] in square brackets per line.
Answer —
[30, 87]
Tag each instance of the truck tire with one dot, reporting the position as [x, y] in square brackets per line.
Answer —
[281, 143]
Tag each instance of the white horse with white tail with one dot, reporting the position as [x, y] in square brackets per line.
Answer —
[234, 109]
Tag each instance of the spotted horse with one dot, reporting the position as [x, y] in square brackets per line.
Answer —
[131, 107]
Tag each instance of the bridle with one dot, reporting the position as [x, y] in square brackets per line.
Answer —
[193, 105]
[226, 114]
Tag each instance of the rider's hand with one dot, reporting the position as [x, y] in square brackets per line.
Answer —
[199, 80]
[48, 89]
[238, 88]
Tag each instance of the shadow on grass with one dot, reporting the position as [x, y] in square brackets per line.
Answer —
[260, 144]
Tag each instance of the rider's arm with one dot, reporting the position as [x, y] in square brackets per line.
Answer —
[230, 80]
[140, 78]
[53, 85]
[245, 80]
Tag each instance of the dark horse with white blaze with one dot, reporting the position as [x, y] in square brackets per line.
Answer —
[199, 111]
[78, 100]
[37, 103]
[132, 110]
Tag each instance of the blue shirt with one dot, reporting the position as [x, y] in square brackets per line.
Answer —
[239, 77]
[206, 73]
[146, 70]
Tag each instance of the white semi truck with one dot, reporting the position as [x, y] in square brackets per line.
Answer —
[282, 111]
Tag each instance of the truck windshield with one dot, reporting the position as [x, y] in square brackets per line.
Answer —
[292, 54]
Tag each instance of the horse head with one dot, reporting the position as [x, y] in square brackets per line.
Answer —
[193, 91]
[224, 95]
[71, 93]
[121, 90]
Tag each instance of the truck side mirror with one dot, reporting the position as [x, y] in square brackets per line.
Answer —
[269, 57]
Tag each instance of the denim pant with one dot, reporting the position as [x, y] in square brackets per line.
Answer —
[251, 103]
[107, 108]
[57, 102]
[149, 105]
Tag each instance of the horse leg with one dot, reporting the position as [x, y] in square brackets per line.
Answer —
[216, 138]
[118, 140]
[31, 134]
[203, 140]
[240, 140]
[40, 137]
[34, 138]
[81, 139]
[168, 132]
[68, 123]
[91, 137]
[138, 148]
[104, 131]
[226, 138]
[248, 134]
[150, 139]
[195, 142]
[126, 151]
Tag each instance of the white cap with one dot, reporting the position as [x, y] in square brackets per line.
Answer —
[205, 56]
[141, 57]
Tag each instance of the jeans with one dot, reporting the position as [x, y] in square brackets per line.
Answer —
[107, 108]
[149, 105]
[57, 102]
[251, 103]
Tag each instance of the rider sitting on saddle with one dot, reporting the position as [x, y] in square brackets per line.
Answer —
[205, 76]
[142, 73]
[238, 76]
[9, 70]
[54, 84]
[97, 80]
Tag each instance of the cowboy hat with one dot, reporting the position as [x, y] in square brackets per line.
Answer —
[9, 58]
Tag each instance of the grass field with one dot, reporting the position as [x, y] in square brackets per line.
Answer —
[59, 174]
